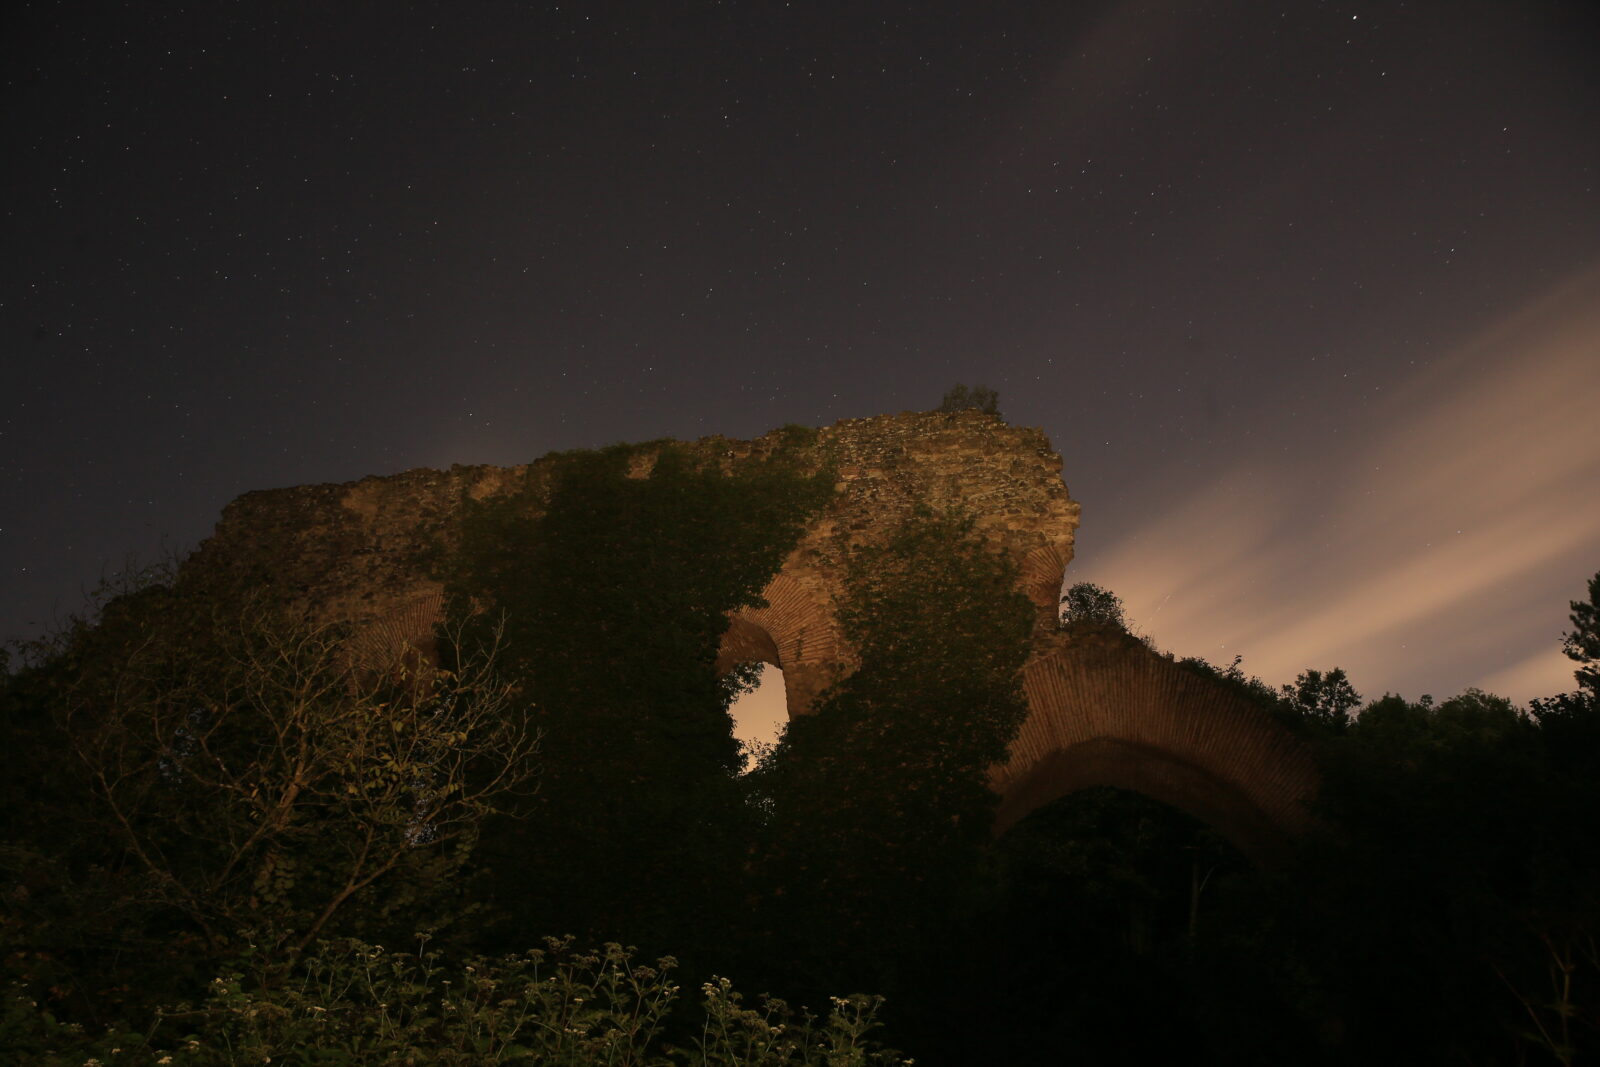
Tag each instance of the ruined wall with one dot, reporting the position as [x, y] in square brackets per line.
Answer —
[362, 552]
[1008, 477]
[1101, 712]
[1105, 710]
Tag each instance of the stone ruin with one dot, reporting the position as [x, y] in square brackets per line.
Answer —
[1103, 710]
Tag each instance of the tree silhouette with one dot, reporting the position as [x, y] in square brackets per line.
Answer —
[1089, 603]
[979, 398]
[1582, 643]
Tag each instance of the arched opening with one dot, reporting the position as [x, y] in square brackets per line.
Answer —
[1148, 770]
[1105, 710]
[1119, 931]
[760, 714]
[1140, 868]
[792, 630]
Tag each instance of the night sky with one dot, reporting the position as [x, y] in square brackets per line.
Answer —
[1306, 294]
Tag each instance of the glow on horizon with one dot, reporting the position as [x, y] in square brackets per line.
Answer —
[760, 715]
[1481, 483]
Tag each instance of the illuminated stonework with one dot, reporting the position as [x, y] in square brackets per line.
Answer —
[1103, 711]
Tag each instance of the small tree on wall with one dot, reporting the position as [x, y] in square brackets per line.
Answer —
[979, 398]
[1088, 603]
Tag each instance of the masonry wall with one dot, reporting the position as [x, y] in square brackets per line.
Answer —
[363, 552]
[1102, 712]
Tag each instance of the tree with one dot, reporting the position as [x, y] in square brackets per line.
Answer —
[1089, 603]
[1582, 643]
[1327, 699]
[878, 804]
[1479, 823]
[616, 590]
[1560, 990]
[259, 783]
[1571, 721]
[979, 398]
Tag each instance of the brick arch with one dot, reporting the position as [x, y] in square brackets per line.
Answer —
[1100, 713]
[1042, 572]
[1106, 711]
[382, 640]
[1103, 710]
[794, 632]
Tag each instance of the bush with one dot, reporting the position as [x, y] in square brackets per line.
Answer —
[978, 398]
[1088, 603]
[352, 1002]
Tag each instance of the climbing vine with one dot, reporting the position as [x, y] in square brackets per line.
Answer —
[613, 584]
[878, 803]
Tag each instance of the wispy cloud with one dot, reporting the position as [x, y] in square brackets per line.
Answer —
[1480, 480]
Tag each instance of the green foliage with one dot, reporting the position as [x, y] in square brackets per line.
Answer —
[1088, 604]
[795, 435]
[1145, 902]
[1571, 721]
[622, 575]
[877, 802]
[615, 590]
[1323, 699]
[349, 1002]
[941, 632]
[215, 771]
[978, 398]
[1249, 686]
[773, 1035]
[31, 1033]
[1482, 842]
[203, 784]
[1582, 643]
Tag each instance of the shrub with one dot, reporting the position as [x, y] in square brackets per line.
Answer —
[353, 1002]
[978, 398]
[1088, 603]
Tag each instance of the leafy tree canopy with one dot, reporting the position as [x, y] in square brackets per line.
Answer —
[220, 773]
[1088, 603]
[1582, 643]
[1326, 699]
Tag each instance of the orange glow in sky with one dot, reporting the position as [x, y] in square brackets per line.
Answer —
[1481, 484]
